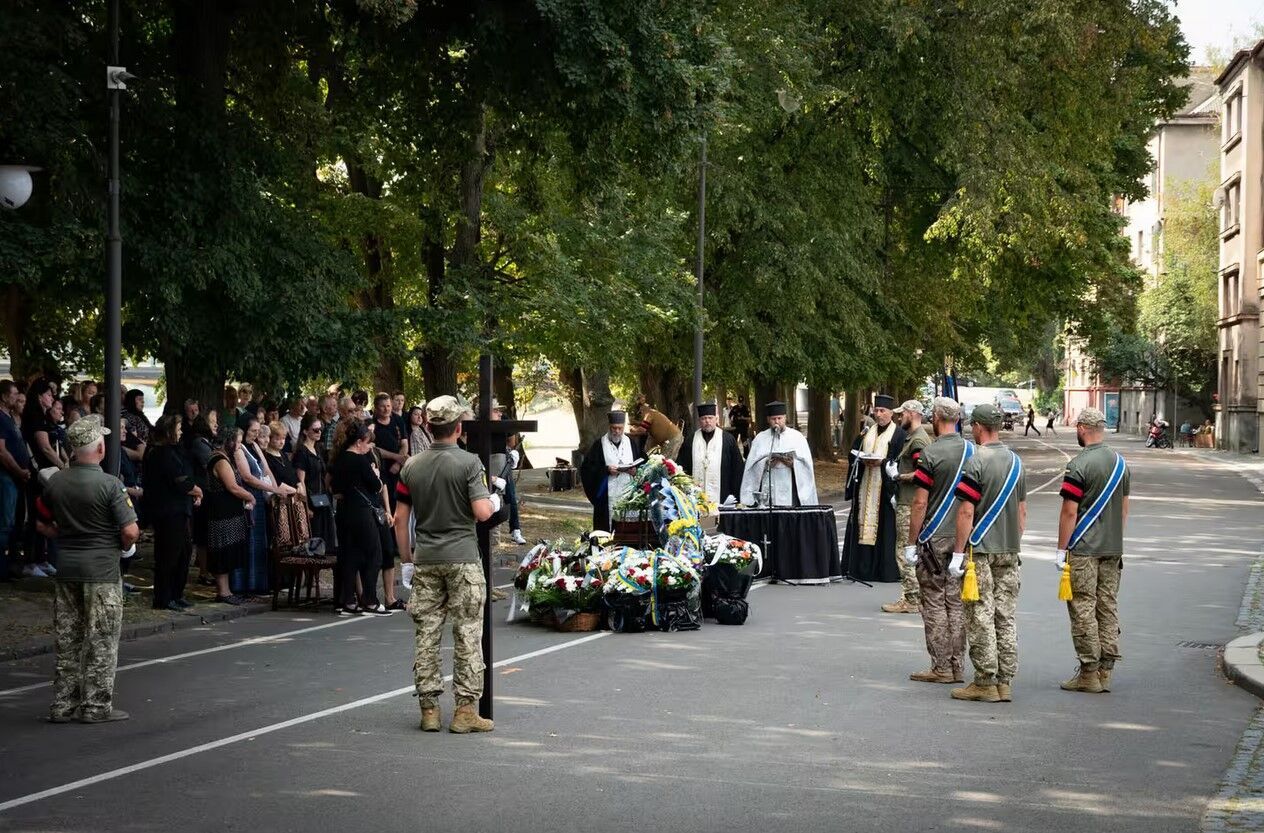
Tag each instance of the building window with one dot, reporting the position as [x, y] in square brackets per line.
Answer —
[1230, 207]
[1230, 293]
[1231, 127]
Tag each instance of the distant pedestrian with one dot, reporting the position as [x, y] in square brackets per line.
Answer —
[1053, 416]
[1031, 422]
[445, 487]
[89, 513]
[1091, 539]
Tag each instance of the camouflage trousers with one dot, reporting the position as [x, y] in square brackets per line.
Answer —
[452, 593]
[990, 626]
[87, 621]
[1094, 609]
[908, 574]
[943, 616]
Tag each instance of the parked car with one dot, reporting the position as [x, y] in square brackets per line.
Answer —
[1011, 408]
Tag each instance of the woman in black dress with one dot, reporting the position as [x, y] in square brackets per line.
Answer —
[198, 445]
[282, 467]
[169, 496]
[309, 467]
[227, 526]
[355, 479]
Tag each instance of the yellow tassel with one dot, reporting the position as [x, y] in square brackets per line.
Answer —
[970, 584]
[1064, 586]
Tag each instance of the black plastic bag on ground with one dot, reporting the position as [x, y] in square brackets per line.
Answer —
[724, 590]
[679, 610]
[626, 613]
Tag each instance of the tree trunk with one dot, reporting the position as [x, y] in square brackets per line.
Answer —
[597, 402]
[503, 387]
[572, 381]
[667, 390]
[15, 327]
[765, 392]
[853, 415]
[819, 424]
[388, 376]
[189, 378]
[438, 369]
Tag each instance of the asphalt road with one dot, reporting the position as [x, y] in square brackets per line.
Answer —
[801, 720]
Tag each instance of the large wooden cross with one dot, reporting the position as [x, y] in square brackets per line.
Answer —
[481, 434]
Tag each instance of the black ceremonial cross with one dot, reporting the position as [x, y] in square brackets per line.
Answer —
[480, 435]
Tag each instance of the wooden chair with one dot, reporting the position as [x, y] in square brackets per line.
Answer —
[289, 556]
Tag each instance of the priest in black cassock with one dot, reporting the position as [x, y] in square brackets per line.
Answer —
[869, 544]
[712, 458]
[607, 471]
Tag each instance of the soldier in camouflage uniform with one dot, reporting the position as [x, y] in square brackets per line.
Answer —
[1094, 499]
[934, 516]
[990, 622]
[901, 470]
[445, 487]
[93, 520]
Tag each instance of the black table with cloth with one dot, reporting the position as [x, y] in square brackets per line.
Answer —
[803, 540]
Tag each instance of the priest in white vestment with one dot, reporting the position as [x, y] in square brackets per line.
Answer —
[779, 468]
[712, 458]
[607, 471]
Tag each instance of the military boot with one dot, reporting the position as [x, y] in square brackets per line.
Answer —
[902, 606]
[467, 720]
[978, 693]
[1085, 680]
[430, 719]
[933, 676]
[1003, 691]
[1103, 677]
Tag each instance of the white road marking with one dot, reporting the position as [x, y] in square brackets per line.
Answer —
[1057, 476]
[266, 730]
[256, 640]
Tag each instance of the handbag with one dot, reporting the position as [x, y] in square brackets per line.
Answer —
[320, 501]
[379, 514]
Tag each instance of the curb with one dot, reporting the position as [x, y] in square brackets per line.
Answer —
[183, 622]
[1242, 664]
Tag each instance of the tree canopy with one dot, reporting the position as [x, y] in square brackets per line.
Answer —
[375, 190]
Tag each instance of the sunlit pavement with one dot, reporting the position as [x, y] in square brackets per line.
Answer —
[803, 719]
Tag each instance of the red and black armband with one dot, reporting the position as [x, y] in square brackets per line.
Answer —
[1072, 488]
[969, 490]
[923, 478]
[402, 494]
[43, 512]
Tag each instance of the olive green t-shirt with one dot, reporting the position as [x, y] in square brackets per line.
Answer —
[937, 473]
[918, 440]
[439, 484]
[1084, 482]
[981, 484]
[90, 508]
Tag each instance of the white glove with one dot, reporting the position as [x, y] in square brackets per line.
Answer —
[406, 571]
[495, 500]
[498, 483]
[910, 555]
[1059, 559]
[513, 457]
[956, 567]
[893, 471]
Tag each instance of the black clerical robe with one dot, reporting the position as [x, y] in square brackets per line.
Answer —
[872, 562]
[732, 466]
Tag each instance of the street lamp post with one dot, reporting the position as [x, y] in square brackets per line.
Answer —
[702, 232]
[116, 77]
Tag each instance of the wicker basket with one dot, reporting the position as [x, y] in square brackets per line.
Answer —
[579, 623]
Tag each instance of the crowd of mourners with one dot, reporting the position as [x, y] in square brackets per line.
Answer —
[202, 481]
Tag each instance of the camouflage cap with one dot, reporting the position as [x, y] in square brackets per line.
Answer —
[1091, 418]
[444, 410]
[86, 431]
[987, 414]
[945, 408]
[909, 405]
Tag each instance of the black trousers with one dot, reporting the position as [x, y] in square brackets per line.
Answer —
[359, 554]
[172, 549]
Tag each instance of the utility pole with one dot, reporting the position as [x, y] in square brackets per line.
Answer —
[115, 78]
[702, 234]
